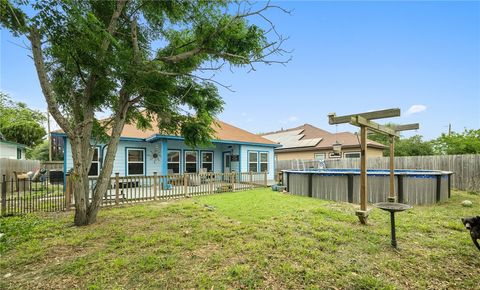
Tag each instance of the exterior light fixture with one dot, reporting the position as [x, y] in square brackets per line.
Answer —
[337, 147]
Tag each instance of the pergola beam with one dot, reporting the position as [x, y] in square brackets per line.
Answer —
[388, 113]
[406, 127]
[361, 121]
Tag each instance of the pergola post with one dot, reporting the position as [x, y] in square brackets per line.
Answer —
[363, 120]
[363, 213]
[392, 196]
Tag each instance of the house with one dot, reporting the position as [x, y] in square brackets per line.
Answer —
[12, 150]
[141, 153]
[309, 142]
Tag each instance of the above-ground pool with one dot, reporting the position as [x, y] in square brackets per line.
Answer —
[411, 186]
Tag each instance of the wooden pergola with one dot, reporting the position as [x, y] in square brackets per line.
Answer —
[364, 121]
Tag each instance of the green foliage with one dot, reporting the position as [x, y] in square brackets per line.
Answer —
[88, 67]
[467, 142]
[20, 124]
[413, 146]
[39, 152]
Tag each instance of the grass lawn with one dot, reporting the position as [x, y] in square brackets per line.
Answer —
[253, 239]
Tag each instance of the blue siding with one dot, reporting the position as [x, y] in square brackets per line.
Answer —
[162, 146]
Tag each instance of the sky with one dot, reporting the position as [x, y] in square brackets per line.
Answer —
[347, 57]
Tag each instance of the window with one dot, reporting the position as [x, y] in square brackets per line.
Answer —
[334, 155]
[207, 161]
[263, 161]
[95, 166]
[173, 161]
[351, 154]
[191, 161]
[253, 161]
[19, 153]
[135, 161]
[319, 156]
[57, 147]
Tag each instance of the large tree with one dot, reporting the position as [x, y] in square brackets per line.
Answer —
[140, 60]
[20, 124]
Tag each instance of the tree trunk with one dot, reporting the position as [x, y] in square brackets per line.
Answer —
[85, 210]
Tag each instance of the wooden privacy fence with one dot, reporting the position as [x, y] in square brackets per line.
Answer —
[466, 168]
[8, 166]
[49, 194]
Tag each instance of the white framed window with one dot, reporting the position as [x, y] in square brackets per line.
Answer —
[319, 156]
[253, 161]
[351, 155]
[173, 161]
[95, 166]
[207, 161]
[263, 161]
[333, 155]
[135, 161]
[190, 162]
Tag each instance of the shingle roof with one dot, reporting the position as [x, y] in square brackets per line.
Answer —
[308, 131]
[224, 131]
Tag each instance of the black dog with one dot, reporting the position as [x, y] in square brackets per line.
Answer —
[473, 225]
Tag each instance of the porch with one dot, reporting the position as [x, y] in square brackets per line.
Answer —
[130, 189]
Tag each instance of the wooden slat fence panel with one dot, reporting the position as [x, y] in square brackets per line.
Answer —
[8, 166]
[466, 168]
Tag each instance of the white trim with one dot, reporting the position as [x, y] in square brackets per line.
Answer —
[253, 162]
[352, 152]
[185, 160]
[315, 156]
[260, 162]
[201, 159]
[96, 162]
[179, 160]
[136, 162]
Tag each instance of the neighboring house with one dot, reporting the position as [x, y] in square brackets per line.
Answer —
[145, 152]
[12, 150]
[309, 142]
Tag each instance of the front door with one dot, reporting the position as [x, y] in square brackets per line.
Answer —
[227, 161]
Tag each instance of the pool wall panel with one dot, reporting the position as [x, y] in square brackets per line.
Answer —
[420, 189]
[330, 187]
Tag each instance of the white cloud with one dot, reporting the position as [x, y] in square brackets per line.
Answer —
[415, 109]
[290, 119]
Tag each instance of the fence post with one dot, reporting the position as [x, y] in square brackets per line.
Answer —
[251, 181]
[155, 184]
[232, 180]
[265, 182]
[117, 188]
[211, 180]
[4, 195]
[68, 193]
[185, 181]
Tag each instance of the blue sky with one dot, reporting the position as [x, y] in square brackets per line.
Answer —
[347, 57]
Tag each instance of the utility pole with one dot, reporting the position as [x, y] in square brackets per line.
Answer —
[449, 129]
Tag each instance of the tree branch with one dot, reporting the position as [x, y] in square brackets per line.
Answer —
[47, 90]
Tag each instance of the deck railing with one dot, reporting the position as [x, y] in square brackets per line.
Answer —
[130, 189]
[26, 196]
